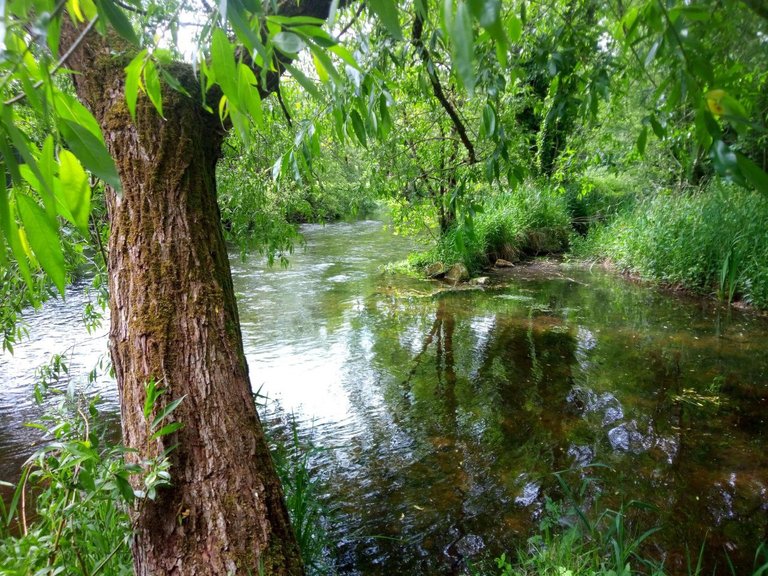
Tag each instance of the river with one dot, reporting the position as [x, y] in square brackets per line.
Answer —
[443, 414]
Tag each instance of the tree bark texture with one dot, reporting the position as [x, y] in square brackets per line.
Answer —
[174, 319]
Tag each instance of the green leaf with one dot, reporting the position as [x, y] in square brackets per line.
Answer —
[322, 73]
[69, 108]
[321, 56]
[305, 82]
[47, 166]
[358, 127]
[167, 429]
[486, 12]
[345, 55]
[385, 120]
[248, 94]
[753, 173]
[642, 140]
[658, 129]
[489, 121]
[295, 20]
[124, 487]
[463, 46]
[9, 228]
[223, 63]
[152, 394]
[515, 28]
[73, 191]
[91, 152]
[118, 19]
[174, 83]
[288, 43]
[277, 168]
[170, 407]
[43, 236]
[132, 77]
[152, 85]
[387, 12]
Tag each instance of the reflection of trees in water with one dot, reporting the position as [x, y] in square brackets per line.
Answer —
[478, 408]
[461, 400]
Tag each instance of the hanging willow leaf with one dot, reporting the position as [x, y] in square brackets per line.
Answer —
[386, 10]
[42, 234]
[118, 19]
[463, 46]
[132, 81]
[152, 85]
[91, 152]
[73, 191]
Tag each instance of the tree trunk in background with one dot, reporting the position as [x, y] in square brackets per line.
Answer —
[174, 319]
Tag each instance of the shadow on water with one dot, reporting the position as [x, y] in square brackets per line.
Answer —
[446, 412]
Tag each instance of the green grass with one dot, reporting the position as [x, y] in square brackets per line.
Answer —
[711, 241]
[68, 513]
[529, 221]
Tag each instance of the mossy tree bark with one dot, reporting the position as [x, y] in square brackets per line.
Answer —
[174, 319]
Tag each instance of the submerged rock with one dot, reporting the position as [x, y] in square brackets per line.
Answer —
[480, 281]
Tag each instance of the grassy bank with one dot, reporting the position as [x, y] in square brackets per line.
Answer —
[529, 221]
[710, 241]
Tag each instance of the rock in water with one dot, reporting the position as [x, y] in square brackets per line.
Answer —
[435, 270]
[479, 281]
[501, 263]
[457, 273]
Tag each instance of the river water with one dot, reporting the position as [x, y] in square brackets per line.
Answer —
[442, 414]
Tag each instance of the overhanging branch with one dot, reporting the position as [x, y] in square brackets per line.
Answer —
[437, 88]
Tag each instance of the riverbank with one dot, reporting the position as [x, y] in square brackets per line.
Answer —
[709, 242]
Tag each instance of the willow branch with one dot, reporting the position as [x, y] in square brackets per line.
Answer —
[282, 106]
[351, 22]
[63, 60]
[437, 88]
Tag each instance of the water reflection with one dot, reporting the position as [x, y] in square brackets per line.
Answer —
[448, 411]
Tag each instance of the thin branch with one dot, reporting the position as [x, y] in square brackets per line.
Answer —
[59, 7]
[63, 60]
[125, 6]
[437, 88]
[282, 106]
[354, 19]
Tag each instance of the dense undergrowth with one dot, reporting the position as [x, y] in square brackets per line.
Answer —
[711, 241]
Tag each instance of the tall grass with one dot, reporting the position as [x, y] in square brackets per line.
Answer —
[529, 221]
[711, 241]
[68, 514]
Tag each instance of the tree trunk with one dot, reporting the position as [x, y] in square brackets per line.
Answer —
[174, 319]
